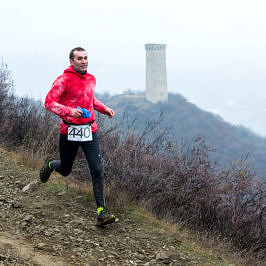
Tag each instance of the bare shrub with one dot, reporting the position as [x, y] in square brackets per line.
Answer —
[27, 124]
[6, 89]
[24, 121]
[170, 179]
[242, 205]
[177, 180]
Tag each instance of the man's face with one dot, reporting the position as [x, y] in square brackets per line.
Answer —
[80, 61]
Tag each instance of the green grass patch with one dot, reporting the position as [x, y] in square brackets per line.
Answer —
[61, 188]
[57, 187]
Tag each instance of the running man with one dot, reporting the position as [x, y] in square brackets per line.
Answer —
[72, 99]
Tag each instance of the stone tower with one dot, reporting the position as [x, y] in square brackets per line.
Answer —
[156, 80]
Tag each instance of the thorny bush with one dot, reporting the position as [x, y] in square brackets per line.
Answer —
[174, 180]
[177, 180]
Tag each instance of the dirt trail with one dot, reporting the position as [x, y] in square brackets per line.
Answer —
[45, 224]
[24, 250]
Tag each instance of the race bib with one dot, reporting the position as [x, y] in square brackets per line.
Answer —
[79, 133]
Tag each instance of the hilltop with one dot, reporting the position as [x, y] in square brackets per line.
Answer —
[184, 121]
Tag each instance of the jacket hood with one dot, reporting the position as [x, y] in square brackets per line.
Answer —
[70, 69]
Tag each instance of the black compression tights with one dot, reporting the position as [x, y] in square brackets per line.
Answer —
[91, 149]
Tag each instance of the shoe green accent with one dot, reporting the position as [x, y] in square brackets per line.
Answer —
[104, 218]
[49, 164]
[99, 210]
[46, 171]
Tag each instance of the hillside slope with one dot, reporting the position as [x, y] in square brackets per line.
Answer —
[186, 121]
[46, 224]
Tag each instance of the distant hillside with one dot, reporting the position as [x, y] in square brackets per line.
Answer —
[186, 121]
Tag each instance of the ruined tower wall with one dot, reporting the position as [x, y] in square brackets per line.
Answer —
[156, 77]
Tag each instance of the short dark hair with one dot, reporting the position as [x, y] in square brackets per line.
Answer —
[71, 55]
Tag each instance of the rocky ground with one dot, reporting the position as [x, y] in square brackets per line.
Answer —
[46, 224]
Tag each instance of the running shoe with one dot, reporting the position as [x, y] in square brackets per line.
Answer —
[46, 171]
[104, 218]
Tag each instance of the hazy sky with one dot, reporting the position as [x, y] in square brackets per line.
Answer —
[216, 49]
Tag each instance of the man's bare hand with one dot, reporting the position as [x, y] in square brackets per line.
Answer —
[110, 112]
[76, 113]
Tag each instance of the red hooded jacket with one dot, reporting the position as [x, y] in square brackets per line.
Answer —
[69, 91]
